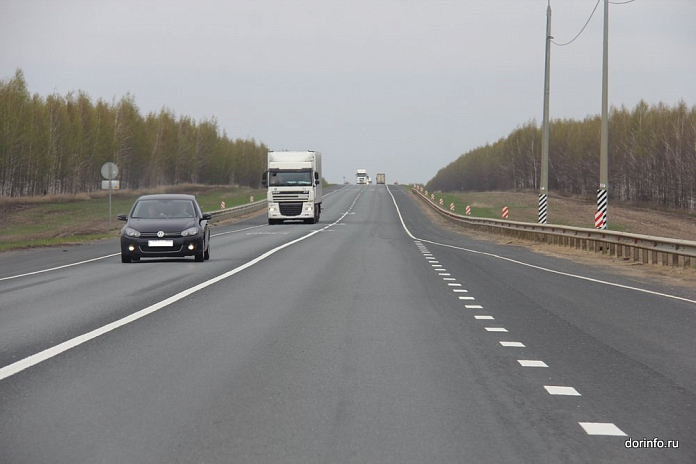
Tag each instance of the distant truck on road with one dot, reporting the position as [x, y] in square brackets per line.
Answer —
[361, 177]
[381, 178]
[294, 186]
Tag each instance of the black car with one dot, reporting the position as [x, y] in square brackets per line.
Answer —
[167, 225]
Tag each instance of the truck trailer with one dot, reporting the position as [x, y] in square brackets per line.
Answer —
[381, 178]
[294, 186]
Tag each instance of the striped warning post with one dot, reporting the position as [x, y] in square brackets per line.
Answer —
[468, 210]
[602, 202]
[222, 205]
[543, 207]
[451, 206]
[598, 219]
[441, 202]
[432, 197]
[506, 212]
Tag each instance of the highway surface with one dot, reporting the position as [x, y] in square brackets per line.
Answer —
[374, 336]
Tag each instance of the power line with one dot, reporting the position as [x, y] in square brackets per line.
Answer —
[588, 21]
[581, 30]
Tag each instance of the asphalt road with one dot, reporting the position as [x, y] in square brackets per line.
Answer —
[374, 336]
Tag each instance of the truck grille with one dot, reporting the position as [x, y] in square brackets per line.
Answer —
[290, 196]
[290, 209]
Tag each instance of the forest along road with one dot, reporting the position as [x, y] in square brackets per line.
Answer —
[373, 336]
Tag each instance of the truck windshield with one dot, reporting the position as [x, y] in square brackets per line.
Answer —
[288, 178]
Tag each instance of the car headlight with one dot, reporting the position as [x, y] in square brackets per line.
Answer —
[132, 232]
[190, 231]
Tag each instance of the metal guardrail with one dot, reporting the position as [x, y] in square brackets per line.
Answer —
[227, 213]
[640, 248]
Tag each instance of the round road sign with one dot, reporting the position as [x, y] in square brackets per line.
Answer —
[109, 171]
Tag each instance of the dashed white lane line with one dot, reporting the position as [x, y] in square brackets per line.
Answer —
[531, 363]
[566, 391]
[436, 265]
[444, 274]
[449, 279]
[460, 290]
[591, 428]
[602, 428]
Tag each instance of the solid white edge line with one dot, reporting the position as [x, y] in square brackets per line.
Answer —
[575, 276]
[59, 267]
[49, 353]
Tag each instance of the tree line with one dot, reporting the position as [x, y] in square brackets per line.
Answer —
[652, 157]
[57, 144]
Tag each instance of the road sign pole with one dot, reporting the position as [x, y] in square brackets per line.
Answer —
[111, 171]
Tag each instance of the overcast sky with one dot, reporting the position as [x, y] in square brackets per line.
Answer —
[402, 87]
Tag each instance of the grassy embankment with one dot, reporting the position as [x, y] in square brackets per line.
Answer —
[57, 220]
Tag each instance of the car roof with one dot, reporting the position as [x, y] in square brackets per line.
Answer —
[167, 196]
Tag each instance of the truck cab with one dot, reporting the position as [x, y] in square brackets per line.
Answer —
[294, 186]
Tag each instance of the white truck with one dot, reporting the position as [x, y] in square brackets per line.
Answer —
[381, 178]
[294, 186]
[361, 177]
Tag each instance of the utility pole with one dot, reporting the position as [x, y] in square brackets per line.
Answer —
[602, 193]
[544, 181]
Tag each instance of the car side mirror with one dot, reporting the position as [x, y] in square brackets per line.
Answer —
[207, 216]
[122, 217]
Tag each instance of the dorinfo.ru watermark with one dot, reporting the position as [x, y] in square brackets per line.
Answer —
[654, 443]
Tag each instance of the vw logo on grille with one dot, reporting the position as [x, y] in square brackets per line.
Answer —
[160, 234]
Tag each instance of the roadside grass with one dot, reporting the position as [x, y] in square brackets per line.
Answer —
[64, 219]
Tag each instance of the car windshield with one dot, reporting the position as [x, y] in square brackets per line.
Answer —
[163, 209]
[278, 178]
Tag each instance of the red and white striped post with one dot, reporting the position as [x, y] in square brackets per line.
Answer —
[441, 202]
[506, 212]
[251, 199]
[222, 205]
[468, 210]
[432, 197]
[598, 220]
[451, 206]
